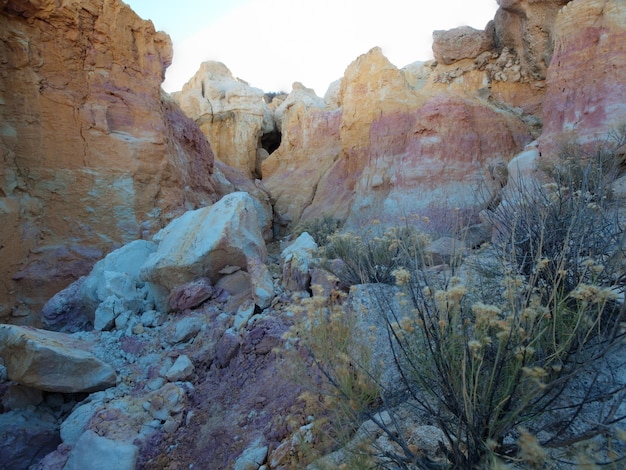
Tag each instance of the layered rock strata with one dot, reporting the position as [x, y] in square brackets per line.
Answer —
[93, 153]
[585, 85]
[400, 142]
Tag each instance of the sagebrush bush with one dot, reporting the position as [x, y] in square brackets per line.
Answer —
[320, 228]
[507, 364]
[587, 167]
[342, 382]
[569, 223]
[373, 254]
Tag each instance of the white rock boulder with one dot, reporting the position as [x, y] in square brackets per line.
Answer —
[203, 242]
[94, 452]
[113, 287]
[296, 262]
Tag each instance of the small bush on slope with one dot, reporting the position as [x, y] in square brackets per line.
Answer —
[372, 255]
[321, 228]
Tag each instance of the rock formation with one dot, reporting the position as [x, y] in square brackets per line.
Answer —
[171, 351]
[391, 148]
[585, 86]
[461, 43]
[233, 115]
[309, 146]
[93, 153]
[526, 28]
[212, 242]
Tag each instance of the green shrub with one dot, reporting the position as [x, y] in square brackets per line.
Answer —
[321, 228]
[373, 254]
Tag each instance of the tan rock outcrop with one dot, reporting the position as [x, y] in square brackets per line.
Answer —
[232, 114]
[460, 43]
[309, 146]
[526, 27]
[93, 153]
[53, 362]
[585, 86]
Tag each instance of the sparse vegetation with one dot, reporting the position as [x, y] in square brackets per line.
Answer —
[372, 255]
[320, 228]
[511, 362]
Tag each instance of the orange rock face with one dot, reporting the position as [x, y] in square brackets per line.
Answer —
[391, 149]
[585, 86]
[309, 147]
[93, 154]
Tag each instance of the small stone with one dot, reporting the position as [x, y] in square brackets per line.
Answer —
[181, 370]
[251, 458]
[99, 453]
[190, 295]
[185, 329]
[20, 311]
[244, 313]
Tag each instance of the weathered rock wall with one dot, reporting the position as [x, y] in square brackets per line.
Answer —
[586, 81]
[93, 153]
[232, 115]
[400, 142]
[527, 27]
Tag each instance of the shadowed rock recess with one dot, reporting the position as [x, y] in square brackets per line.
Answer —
[149, 270]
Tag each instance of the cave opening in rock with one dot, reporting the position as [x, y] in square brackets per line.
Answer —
[271, 141]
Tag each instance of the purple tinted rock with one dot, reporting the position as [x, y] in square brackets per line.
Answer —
[227, 347]
[191, 294]
[65, 310]
[132, 345]
[26, 438]
[55, 460]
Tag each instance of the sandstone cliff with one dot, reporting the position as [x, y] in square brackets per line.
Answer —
[400, 142]
[93, 154]
[425, 138]
[585, 84]
[232, 114]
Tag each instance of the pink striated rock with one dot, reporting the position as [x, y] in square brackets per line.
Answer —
[586, 89]
[403, 151]
[435, 162]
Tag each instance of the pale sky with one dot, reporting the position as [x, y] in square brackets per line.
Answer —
[273, 43]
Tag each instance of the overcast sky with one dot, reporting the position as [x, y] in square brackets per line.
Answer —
[272, 43]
